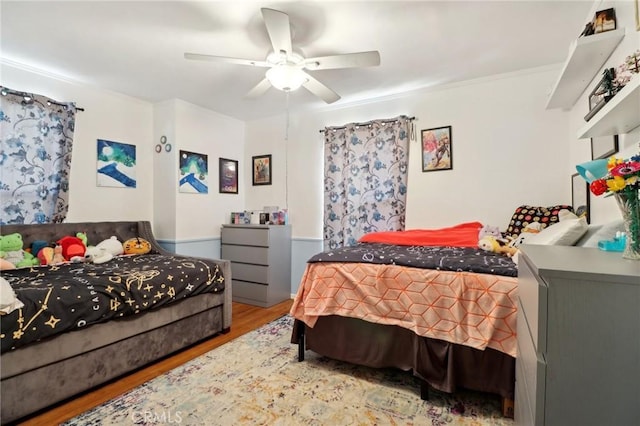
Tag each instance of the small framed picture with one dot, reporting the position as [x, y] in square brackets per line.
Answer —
[261, 169]
[436, 149]
[603, 146]
[604, 20]
[580, 196]
[228, 176]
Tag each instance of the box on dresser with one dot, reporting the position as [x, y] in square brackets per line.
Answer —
[578, 337]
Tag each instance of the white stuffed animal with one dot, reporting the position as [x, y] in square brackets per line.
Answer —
[97, 255]
[112, 246]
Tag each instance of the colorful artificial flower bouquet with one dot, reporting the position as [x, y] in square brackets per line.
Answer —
[622, 180]
[623, 177]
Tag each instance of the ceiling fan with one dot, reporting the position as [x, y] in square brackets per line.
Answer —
[287, 68]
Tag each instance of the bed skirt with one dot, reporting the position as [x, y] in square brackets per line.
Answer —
[444, 366]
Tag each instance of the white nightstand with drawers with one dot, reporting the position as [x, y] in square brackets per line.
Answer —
[578, 337]
[260, 258]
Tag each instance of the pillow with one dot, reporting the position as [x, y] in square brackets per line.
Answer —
[565, 233]
[8, 300]
[524, 215]
[597, 233]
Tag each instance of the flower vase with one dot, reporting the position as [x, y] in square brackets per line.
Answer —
[629, 204]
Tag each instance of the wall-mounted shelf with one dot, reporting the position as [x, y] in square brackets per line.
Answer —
[620, 115]
[586, 56]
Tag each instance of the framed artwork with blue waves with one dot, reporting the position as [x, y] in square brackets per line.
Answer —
[116, 164]
[194, 173]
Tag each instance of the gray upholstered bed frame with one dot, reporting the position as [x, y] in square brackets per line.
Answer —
[42, 374]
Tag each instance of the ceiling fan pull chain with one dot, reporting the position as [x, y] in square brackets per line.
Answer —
[286, 155]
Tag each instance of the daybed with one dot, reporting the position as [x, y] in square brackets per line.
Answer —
[50, 369]
[443, 308]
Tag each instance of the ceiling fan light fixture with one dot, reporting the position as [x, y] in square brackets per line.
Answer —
[286, 78]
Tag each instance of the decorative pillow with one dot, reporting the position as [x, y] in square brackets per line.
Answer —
[524, 215]
[597, 233]
[565, 233]
[136, 245]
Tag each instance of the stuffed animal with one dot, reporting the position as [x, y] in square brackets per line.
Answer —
[51, 255]
[97, 255]
[5, 265]
[71, 247]
[83, 238]
[489, 231]
[492, 244]
[11, 250]
[111, 245]
[136, 245]
[529, 230]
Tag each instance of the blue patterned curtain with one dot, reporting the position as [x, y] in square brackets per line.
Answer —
[365, 183]
[35, 157]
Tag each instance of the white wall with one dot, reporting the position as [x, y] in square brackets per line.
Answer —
[106, 115]
[507, 150]
[604, 210]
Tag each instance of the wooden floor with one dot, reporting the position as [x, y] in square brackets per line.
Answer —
[244, 319]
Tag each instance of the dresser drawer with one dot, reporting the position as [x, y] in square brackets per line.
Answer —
[522, 408]
[252, 291]
[246, 236]
[530, 368]
[248, 272]
[245, 254]
[533, 298]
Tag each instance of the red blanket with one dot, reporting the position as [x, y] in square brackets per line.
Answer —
[462, 235]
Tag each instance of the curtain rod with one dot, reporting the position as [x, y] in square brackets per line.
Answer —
[391, 120]
[29, 97]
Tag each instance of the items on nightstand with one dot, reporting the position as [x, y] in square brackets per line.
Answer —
[617, 243]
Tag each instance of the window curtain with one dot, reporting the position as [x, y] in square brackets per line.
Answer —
[35, 157]
[365, 179]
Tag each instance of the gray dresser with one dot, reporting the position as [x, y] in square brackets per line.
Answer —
[578, 337]
[260, 258]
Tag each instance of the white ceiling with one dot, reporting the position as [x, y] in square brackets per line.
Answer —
[137, 48]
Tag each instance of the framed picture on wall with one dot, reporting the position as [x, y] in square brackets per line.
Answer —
[436, 149]
[580, 196]
[116, 164]
[193, 173]
[261, 169]
[603, 146]
[228, 176]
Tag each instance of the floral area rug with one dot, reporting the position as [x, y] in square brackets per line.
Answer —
[256, 379]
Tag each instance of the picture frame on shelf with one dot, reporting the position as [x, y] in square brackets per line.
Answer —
[228, 182]
[601, 94]
[604, 20]
[261, 169]
[603, 146]
[580, 199]
[437, 153]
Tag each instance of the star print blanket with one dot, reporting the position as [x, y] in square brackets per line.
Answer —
[72, 296]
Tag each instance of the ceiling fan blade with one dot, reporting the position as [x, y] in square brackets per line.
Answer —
[320, 90]
[279, 30]
[259, 89]
[348, 60]
[239, 61]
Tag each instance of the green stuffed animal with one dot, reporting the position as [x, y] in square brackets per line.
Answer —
[11, 250]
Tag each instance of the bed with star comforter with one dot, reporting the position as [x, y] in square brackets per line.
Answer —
[447, 313]
[67, 297]
[85, 324]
